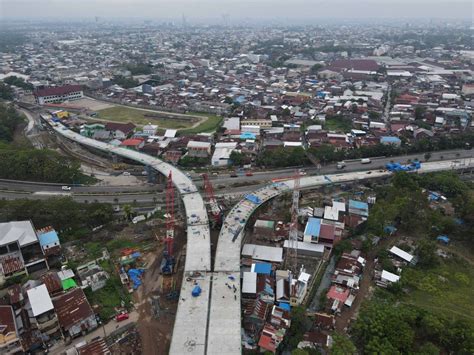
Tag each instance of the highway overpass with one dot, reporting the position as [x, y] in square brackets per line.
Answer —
[189, 334]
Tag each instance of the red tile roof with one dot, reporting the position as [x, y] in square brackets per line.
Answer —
[132, 142]
[266, 342]
[338, 293]
[58, 90]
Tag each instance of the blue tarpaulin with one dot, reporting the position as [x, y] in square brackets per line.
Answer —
[285, 306]
[443, 238]
[263, 268]
[134, 275]
[136, 255]
[196, 291]
[389, 229]
[247, 135]
[254, 199]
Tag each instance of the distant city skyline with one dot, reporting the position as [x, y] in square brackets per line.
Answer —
[234, 11]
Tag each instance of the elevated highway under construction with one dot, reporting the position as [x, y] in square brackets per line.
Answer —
[210, 323]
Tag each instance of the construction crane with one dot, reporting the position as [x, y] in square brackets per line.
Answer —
[216, 210]
[167, 263]
[292, 257]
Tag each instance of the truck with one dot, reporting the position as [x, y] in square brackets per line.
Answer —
[341, 165]
[365, 161]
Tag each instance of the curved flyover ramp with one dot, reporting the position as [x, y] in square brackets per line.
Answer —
[189, 334]
[224, 334]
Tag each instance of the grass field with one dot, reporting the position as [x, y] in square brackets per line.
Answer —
[208, 126]
[136, 116]
[445, 289]
[338, 124]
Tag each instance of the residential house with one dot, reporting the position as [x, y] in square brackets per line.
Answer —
[92, 275]
[133, 143]
[49, 241]
[150, 129]
[222, 152]
[120, 130]
[41, 311]
[20, 250]
[9, 338]
[74, 313]
[199, 149]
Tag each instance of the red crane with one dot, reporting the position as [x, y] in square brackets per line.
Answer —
[213, 204]
[169, 240]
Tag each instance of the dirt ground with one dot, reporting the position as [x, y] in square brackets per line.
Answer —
[156, 313]
[91, 104]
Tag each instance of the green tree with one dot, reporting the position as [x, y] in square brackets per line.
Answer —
[342, 345]
[315, 68]
[127, 209]
[237, 158]
[427, 254]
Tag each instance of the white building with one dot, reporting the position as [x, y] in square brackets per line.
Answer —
[58, 94]
[150, 129]
[222, 153]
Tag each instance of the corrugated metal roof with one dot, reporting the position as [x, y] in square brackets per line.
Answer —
[249, 283]
[313, 227]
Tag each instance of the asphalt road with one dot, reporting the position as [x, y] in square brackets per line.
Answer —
[223, 183]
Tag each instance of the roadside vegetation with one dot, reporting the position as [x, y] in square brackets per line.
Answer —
[71, 219]
[22, 162]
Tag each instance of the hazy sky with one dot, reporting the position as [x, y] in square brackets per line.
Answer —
[214, 9]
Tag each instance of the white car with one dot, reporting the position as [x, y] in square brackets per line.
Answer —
[66, 188]
[126, 173]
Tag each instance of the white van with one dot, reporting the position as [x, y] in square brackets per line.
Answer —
[365, 161]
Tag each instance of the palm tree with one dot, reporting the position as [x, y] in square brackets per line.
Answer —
[127, 209]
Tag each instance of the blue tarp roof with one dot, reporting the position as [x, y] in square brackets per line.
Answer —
[358, 205]
[285, 306]
[247, 135]
[263, 268]
[253, 198]
[388, 139]
[313, 227]
[134, 275]
[443, 238]
[389, 229]
[48, 238]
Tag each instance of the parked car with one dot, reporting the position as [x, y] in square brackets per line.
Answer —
[66, 188]
[126, 173]
[121, 316]
[248, 173]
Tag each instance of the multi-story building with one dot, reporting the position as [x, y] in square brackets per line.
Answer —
[58, 94]
[41, 310]
[20, 250]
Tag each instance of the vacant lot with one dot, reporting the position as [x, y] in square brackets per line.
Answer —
[143, 117]
[206, 126]
[445, 289]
